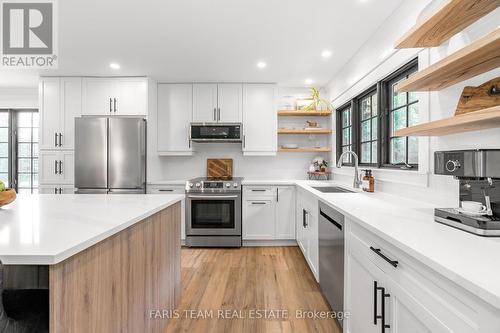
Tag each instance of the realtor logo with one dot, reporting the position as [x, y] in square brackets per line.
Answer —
[28, 34]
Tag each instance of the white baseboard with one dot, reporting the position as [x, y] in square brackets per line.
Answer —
[270, 242]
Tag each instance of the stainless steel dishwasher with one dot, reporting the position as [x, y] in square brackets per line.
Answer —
[331, 256]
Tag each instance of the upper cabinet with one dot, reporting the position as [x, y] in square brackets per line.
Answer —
[259, 119]
[229, 101]
[115, 96]
[175, 113]
[60, 102]
[204, 103]
[217, 103]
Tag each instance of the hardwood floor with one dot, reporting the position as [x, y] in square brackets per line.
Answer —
[223, 290]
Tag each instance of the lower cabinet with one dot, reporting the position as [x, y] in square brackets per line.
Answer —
[56, 167]
[259, 218]
[171, 189]
[307, 229]
[56, 189]
[268, 212]
[388, 291]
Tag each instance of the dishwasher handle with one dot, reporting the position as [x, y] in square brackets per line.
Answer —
[332, 221]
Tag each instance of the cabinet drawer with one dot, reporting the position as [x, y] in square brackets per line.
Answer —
[259, 191]
[443, 304]
[166, 189]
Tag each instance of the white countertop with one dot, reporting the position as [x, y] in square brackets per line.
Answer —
[46, 229]
[471, 261]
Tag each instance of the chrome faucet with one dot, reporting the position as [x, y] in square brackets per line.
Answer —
[357, 182]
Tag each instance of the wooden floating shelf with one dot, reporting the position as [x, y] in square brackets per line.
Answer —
[302, 113]
[450, 18]
[305, 150]
[304, 131]
[479, 57]
[473, 121]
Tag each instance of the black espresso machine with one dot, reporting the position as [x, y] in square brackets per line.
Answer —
[478, 172]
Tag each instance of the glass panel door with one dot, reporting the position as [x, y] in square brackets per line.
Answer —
[19, 149]
[4, 147]
[210, 214]
[27, 151]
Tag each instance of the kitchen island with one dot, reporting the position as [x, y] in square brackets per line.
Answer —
[112, 259]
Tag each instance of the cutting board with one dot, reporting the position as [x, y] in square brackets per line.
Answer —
[219, 168]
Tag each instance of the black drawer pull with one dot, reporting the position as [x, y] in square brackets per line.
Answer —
[379, 252]
[253, 190]
[376, 316]
[165, 190]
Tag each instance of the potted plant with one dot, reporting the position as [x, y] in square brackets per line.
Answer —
[7, 195]
[317, 103]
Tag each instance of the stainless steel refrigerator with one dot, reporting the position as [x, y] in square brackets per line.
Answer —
[110, 155]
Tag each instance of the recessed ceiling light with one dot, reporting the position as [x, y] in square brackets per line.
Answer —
[326, 54]
[114, 65]
[261, 64]
[308, 81]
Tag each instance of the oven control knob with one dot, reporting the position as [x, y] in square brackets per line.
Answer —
[235, 185]
[198, 185]
[228, 185]
[190, 185]
[452, 166]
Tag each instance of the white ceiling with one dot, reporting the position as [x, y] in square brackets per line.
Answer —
[210, 40]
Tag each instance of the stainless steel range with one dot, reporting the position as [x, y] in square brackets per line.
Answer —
[213, 212]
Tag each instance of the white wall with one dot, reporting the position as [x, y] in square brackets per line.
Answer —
[375, 60]
[281, 166]
[18, 98]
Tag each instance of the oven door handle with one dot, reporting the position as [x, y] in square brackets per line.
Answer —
[212, 196]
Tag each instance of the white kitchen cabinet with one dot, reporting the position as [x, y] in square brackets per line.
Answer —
[98, 94]
[259, 119]
[229, 102]
[268, 212]
[259, 217]
[56, 189]
[50, 112]
[417, 298]
[132, 96]
[56, 167]
[285, 212]
[301, 228]
[71, 107]
[175, 113]
[307, 229]
[360, 289]
[204, 103]
[60, 102]
[217, 102]
[171, 189]
[115, 96]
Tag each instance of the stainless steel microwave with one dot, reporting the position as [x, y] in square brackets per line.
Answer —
[216, 132]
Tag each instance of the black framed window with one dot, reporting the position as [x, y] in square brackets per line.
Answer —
[366, 125]
[346, 132]
[402, 112]
[368, 128]
[19, 149]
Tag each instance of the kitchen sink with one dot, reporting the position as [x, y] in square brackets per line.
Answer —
[332, 189]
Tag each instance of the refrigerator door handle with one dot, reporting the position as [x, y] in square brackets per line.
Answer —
[60, 167]
[110, 105]
[114, 103]
[55, 167]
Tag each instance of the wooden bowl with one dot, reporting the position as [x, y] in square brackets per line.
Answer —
[7, 196]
